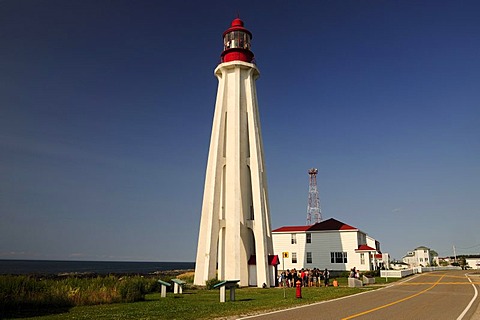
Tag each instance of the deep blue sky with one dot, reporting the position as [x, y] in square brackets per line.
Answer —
[106, 109]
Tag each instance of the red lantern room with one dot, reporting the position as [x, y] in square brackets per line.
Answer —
[236, 43]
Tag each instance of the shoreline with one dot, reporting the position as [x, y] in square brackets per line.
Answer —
[159, 273]
[52, 268]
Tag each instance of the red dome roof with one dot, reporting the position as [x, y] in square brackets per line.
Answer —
[237, 24]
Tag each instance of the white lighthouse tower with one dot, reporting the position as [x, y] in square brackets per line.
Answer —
[235, 232]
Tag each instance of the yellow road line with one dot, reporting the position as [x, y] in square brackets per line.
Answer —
[447, 275]
[423, 283]
[395, 302]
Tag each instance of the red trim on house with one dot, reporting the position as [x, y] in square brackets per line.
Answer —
[273, 260]
[364, 247]
[292, 229]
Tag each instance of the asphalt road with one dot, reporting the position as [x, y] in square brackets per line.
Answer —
[433, 295]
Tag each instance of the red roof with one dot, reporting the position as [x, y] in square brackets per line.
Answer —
[272, 260]
[292, 228]
[364, 247]
[330, 224]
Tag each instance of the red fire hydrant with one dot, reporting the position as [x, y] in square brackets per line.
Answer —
[299, 289]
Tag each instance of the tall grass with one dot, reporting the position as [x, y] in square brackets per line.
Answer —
[28, 292]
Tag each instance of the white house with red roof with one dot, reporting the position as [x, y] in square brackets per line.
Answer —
[329, 244]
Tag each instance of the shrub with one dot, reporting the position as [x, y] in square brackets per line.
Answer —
[133, 289]
[20, 293]
[212, 282]
[188, 277]
[373, 273]
[339, 274]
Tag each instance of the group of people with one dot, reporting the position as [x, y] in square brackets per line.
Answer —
[307, 277]
[354, 273]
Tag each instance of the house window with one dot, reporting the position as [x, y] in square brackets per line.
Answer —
[294, 257]
[421, 259]
[362, 258]
[309, 257]
[294, 238]
[338, 257]
[309, 238]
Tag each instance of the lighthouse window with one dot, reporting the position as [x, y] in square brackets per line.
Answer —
[236, 39]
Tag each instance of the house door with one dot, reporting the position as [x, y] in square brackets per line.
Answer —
[252, 275]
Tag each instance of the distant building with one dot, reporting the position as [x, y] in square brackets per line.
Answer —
[473, 261]
[328, 244]
[420, 257]
[445, 261]
[398, 265]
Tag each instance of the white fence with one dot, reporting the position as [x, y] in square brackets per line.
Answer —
[396, 273]
[429, 269]
[407, 272]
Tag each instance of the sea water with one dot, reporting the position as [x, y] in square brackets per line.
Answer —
[100, 267]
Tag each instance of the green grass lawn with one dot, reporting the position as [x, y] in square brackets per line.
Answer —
[204, 304]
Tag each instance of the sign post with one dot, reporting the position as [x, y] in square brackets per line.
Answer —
[284, 278]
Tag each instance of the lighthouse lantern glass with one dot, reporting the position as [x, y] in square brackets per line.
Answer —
[236, 39]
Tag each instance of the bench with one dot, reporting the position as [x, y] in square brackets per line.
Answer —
[178, 286]
[163, 288]
[227, 284]
[354, 283]
[368, 280]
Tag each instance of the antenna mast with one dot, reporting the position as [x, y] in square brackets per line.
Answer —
[313, 208]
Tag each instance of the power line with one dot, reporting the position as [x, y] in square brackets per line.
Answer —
[478, 245]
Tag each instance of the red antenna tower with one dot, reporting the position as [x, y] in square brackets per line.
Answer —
[313, 208]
